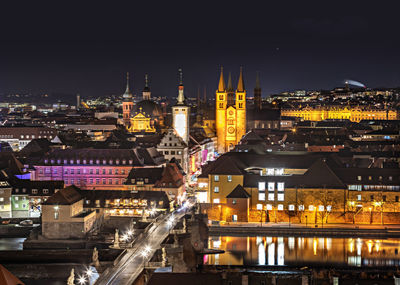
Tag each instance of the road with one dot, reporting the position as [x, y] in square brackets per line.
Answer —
[132, 264]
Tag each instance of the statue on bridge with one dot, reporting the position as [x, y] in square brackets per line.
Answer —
[71, 278]
[116, 239]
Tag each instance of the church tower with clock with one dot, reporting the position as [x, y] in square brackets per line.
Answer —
[180, 114]
[230, 114]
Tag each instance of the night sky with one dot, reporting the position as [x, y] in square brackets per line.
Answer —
[87, 49]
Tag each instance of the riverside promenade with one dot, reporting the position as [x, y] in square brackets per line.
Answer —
[338, 230]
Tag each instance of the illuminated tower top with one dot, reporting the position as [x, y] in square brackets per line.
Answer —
[181, 97]
[240, 87]
[146, 90]
[221, 84]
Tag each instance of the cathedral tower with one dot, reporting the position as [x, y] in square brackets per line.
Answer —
[127, 104]
[240, 108]
[230, 113]
[220, 112]
[180, 113]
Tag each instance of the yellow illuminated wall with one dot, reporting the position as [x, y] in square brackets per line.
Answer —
[230, 121]
[140, 123]
[345, 113]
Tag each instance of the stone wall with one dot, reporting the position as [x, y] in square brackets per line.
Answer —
[63, 230]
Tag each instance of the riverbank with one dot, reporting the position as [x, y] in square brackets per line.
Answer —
[285, 229]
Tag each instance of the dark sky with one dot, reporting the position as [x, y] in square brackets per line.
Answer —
[87, 49]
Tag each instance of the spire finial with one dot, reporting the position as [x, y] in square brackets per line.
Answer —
[221, 84]
[258, 85]
[230, 88]
[146, 80]
[240, 86]
[180, 76]
[127, 94]
[181, 97]
[127, 83]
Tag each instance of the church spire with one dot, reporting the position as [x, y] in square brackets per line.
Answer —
[240, 86]
[221, 85]
[127, 93]
[230, 88]
[146, 90]
[181, 97]
[146, 82]
[258, 85]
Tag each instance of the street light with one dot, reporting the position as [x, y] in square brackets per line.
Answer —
[82, 280]
[147, 248]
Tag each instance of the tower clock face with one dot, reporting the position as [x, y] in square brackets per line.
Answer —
[231, 130]
[230, 112]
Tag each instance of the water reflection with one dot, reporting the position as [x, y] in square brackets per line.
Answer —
[299, 251]
[11, 243]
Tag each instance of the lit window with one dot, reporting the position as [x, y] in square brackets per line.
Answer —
[1, 199]
[279, 171]
[229, 178]
[311, 208]
[291, 207]
[269, 207]
[271, 197]
[216, 178]
[271, 186]
[259, 206]
[301, 207]
[261, 196]
[216, 189]
[321, 208]
[329, 208]
[216, 201]
[261, 186]
[358, 197]
[270, 171]
[281, 186]
[281, 197]
[280, 207]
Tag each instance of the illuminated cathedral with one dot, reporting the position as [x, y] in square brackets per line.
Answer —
[230, 113]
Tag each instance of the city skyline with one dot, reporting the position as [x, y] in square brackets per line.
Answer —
[309, 46]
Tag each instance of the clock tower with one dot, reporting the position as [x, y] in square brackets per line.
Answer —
[180, 113]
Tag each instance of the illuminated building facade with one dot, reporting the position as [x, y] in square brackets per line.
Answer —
[306, 188]
[230, 114]
[140, 122]
[354, 114]
[173, 146]
[95, 169]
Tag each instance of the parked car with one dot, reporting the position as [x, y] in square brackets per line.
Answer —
[26, 223]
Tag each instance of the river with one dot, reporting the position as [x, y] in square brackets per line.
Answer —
[304, 251]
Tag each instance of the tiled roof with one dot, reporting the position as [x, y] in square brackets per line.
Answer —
[66, 196]
[239, 192]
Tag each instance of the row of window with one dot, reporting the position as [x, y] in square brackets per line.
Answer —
[173, 152]
[84, 171]
[94, 181]
[91, 161]
[374, 187]
[380, 178]
[372, 198]
[229, 178]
